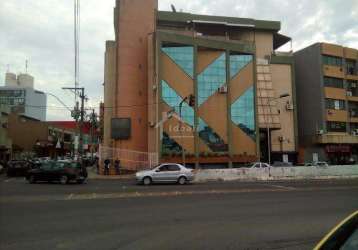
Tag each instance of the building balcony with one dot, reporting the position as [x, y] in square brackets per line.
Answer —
[336, 138]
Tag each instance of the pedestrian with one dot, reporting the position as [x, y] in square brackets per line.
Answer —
[106, 166]
[117, 166]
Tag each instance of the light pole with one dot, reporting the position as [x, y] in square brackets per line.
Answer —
[180, 130]
[268, 127]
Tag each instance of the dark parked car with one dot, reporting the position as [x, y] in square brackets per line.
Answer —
[18, 167]
[61, 171]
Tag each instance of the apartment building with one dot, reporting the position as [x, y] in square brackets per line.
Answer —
[327, 94]
[204, 87]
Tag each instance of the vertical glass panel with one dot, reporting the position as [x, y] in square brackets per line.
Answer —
[169, 145]
[238, 62]
[211, 139]
[172, 99]
[243, 112]
[213, 77]
[183, 57]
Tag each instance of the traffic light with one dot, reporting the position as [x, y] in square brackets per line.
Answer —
[191, 100]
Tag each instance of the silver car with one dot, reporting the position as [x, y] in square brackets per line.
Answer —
[166, 172]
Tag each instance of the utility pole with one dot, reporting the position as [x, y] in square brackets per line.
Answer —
[79, 114]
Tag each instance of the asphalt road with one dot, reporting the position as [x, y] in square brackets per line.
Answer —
[117, 214]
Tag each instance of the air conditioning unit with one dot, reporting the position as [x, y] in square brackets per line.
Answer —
[281, 138]
[349, 93]
[320, 132]
[289, 106]
[354, 85]
[222, 89]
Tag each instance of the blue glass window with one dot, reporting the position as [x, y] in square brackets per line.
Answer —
[169, 145]
[243, 112]
[172, 99]
[211, 139]
[238, 62]
[183, 57]
[213, 77]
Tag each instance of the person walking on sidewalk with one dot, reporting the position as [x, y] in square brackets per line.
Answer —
[106, 166]
[117, 166]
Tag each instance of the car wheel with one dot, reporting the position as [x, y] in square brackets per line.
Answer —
[147, 181]
[32, 179]
[64, 179]
[182, 180]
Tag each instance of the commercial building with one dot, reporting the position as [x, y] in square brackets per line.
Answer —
[327, 94]
[208, 86]
[19, 94]
[53, 138]
[5, 141]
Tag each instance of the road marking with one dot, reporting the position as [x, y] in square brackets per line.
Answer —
[283, 187]
[8, 180]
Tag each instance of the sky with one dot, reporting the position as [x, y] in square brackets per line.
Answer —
[42, 33]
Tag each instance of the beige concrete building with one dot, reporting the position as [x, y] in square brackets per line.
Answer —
[327, 90]
[206, 87]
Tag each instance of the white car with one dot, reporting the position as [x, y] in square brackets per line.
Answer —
[260, 165]
[166, 172]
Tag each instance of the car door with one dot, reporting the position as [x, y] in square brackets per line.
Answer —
[161, 174]
[174, 172]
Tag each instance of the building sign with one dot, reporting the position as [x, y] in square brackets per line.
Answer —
[338, 148]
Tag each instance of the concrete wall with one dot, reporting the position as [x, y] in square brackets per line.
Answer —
[136, 19]
[277, 173]
[109, 86]
[309, 93]
[36, 102]
[282, 83]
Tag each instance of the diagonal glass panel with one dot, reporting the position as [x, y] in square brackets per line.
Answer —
[243, 112]
[213, 77]
[169, 145]
[183, 57]
[211, 139]
[172, 99]
[238, 62]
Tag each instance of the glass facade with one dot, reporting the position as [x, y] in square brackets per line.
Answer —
[169, 145]
[243, 112]
[238, 62]
[211, 139]
[213, 77]
[183, 57]
[208, 82]
[172, 99]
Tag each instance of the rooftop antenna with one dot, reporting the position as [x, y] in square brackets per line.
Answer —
[173, 8]
[26, 66]
[7, 68]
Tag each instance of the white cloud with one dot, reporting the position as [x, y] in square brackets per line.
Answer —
[42, 32]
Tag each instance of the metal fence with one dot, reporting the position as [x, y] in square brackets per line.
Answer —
[129, 159]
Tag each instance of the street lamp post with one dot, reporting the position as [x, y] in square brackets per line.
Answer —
[268, 127]
[180, 130]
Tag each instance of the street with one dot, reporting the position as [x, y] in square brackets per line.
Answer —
[118, 214]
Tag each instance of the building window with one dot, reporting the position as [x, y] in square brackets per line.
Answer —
[351, 67]
[352, 88]
[238, 62]
[242, 112]
[172, 99]
[212, 78]
[332, 60]
[353, 109]
[211, 139]
[183, 56]
[336, 126]
[335, 104]
[333, 82]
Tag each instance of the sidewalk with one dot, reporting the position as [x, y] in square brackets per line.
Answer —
[92, 175]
